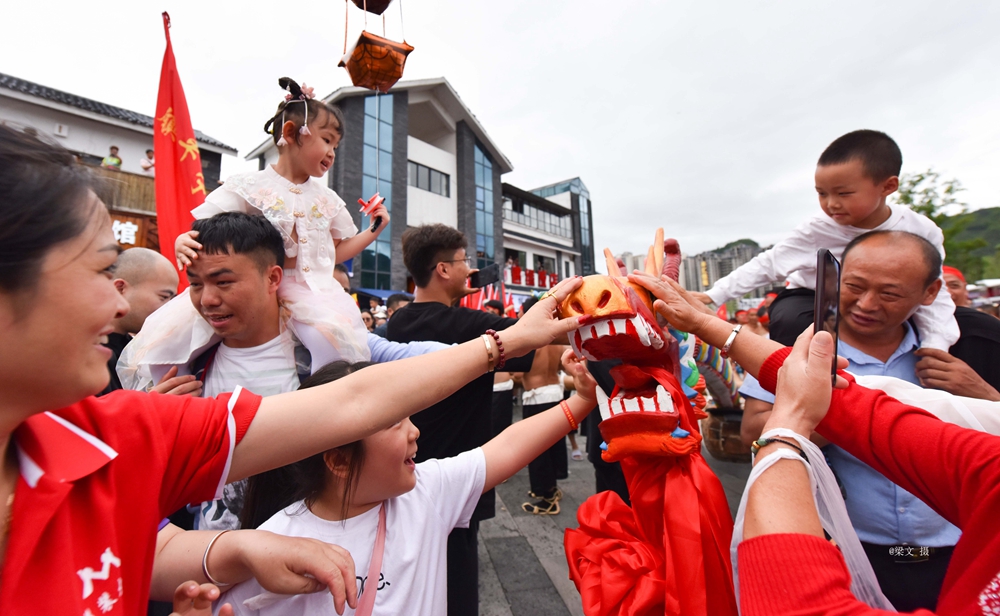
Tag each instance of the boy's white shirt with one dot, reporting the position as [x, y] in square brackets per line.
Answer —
[414, 566]
[794, 259]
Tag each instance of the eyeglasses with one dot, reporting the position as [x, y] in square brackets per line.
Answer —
[468, 261]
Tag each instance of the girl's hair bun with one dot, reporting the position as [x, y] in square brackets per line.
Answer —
[287, 83]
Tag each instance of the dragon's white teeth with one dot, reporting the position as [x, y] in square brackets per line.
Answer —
[665, 401]
[602, 403]
[619, 325]
[601, 328]
[641, 330]
[631, 405]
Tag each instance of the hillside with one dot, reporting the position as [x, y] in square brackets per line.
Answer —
[746, 240]
[984, 223]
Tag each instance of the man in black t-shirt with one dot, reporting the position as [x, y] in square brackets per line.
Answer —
[436, 258]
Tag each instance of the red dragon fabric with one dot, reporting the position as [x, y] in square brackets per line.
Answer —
[669, 552]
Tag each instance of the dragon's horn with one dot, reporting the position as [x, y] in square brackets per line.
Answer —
[613, 269]
[650, 267]
[658, 252]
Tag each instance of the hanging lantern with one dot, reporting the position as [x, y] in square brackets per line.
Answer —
[373, 6]
[375, 62]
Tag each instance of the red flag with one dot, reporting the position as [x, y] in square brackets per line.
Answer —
[722, 313]
[180, 183]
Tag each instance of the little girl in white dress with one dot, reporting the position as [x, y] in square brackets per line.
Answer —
[317, 230]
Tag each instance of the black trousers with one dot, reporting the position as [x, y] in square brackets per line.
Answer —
[609, 476]
[909, 585]
[503, 410]
[463, 571]
[543, 469]
[791, 313]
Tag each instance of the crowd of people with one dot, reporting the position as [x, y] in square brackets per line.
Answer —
[258, 445]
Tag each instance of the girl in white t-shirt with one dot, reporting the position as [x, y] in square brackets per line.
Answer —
[341, 495]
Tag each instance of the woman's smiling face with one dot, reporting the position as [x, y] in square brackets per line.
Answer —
[52, 334]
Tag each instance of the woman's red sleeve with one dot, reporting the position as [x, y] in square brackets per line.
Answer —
[948, 467]
[796, 574]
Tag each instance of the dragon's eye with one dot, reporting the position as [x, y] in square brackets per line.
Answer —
[605, 298]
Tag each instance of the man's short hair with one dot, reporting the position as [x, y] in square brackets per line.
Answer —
[879, 155]
[136, 265]
[932, 258]
[396, 299]
[528, 303]
[495, 304]
[340, 267]
[426, 246]
[241, 234]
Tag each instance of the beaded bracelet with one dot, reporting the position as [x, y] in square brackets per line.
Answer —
[569, 415]
[764, 442]
[503, 358]
[204, 561]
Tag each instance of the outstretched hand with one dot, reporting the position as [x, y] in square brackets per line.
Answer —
[583, 382]
[192, 599]
[677, 305]
[804, 390]
[541, 326]
[297, 565]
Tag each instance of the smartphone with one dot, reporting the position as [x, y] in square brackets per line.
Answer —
[826, 310]
[484, 277]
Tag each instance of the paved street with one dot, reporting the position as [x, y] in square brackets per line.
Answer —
[522, 566]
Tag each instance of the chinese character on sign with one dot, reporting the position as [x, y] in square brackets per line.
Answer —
[124, 231]
[925, 552]
[168, 124]
[190, 148]
[199, 184]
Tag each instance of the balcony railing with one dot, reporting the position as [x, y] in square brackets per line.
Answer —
[129, 191]
[530, 278]
[557, 229]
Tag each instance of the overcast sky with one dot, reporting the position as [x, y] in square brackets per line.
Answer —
[703, 117]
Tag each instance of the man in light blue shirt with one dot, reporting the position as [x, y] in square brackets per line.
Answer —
[885, 277]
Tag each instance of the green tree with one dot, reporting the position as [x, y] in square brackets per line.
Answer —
[925, 193]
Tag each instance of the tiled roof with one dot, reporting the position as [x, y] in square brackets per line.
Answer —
[58, 96]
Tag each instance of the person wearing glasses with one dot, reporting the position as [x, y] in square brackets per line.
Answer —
[436, 257]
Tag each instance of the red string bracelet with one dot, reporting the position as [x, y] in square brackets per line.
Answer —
[569, 415]
[503, 358]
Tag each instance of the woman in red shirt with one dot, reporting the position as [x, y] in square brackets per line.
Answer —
[786, 565]
[85, 481]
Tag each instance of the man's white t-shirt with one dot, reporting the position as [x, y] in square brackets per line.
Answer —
[414, 576]
[269, 368]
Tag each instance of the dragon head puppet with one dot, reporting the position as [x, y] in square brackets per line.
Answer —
[650, 411]
[668, 552]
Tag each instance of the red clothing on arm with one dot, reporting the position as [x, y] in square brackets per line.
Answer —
[96, 478]
[954, 470]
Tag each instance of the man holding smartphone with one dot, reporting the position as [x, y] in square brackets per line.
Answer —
[436, 258]
[885, 276]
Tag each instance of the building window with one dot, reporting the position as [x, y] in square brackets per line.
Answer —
[484, 208]
[376, 259]
[428, 179]
[530, 216]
